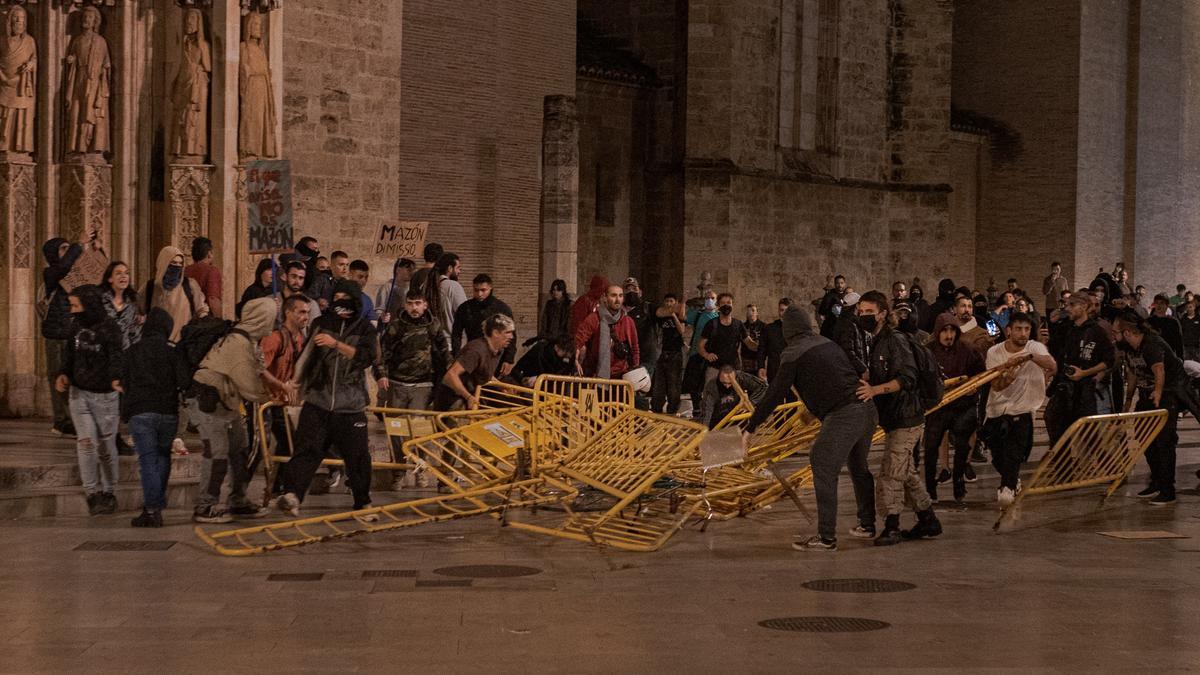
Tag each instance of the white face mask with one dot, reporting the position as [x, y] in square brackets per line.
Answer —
[710, 304]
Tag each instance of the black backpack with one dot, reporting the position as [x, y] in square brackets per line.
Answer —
[931, 387]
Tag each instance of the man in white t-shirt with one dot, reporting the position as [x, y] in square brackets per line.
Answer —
[1014, 397]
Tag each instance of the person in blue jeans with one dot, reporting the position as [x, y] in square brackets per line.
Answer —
[152, 378]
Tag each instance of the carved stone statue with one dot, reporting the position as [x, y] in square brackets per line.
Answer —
[189, 92]
[18, 85]
[256, 125]
[88, 75]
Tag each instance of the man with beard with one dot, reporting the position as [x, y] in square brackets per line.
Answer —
[1087, 354]
[295, 274]
[341, 347]
[471, 315]
[831, 305]
[958, 419]
[1012, 400]
[606, 341]
[773, 344]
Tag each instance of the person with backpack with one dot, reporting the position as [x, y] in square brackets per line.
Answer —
[342, 346]
[229, 374]
[894, 383]
[55, 312]
[180, 296]
[152, 377]
[91, 373]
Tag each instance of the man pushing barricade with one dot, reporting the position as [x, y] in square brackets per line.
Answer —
[821, 372]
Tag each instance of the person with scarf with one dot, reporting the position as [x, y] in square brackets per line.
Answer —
[822, 374]
[556, 314]
[91, 373]
[587, 303]
[606, 341]
[60, 256]
[182, 298]
[342, 346]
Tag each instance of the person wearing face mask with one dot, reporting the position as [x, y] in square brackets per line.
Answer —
[1159, 382]
[342, 346]
[60, 257]
[606, 342]
[722, 339]
[831, 304]
[906, 321]
[91, 374]
[307, 251]
[696, 318]
[925, 315]
[182, 298]
[891, 383]
[642, 312]
[853, 340]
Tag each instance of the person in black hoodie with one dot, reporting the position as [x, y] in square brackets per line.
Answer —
[546, 357]
[821, 372]
[342, 345]
[944, 302]
[469, 318]
[151, 379]
[892, 383]
[60, 255]
[91, 372]
[262, 287]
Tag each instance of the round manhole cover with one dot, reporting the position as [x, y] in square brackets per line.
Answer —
[858, 585]
[824, 624]
[487, 571]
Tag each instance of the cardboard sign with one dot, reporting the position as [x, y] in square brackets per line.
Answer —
[269, 205]
[405, 239]
[88, 269]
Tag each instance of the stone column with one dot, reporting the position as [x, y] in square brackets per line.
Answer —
[85, 201]
[223, 121]
[188, 194]
[18, 258]
[560, 191]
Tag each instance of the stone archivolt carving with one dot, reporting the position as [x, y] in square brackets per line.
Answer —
[18, 85]
[89, 71]
[188, 197]
[86, 201]
[18, 187]
[256, 124]
[189, 92]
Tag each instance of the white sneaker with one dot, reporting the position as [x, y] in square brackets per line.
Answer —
[862, 532]
[289, 503]
[397, 484]
[370, 517]
[1005, 496]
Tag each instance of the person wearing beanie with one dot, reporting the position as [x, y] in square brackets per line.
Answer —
[822, 374]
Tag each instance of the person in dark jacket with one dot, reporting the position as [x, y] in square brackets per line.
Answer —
[944, 302]
[892, 384]
[60, 256]
[1087, 354]
[342, 346]
[556, 314]
[958, 419]
[772, 344]
[1189, 324]
[853, 340]
[91, 372]
[723, 393]
[921, 308]
[821, 372]
[152, 377]
[1166, 325]
[263, 285]
[546, 357]
[831, 304]
[470, 316]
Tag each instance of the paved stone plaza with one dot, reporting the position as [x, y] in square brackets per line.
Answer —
[1053, 596]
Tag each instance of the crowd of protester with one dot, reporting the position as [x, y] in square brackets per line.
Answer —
[166, 355]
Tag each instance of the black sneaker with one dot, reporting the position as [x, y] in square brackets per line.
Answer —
[960, 491]
[107, 503]
[211, 514]
[93, 502]
[977, 456]
[148, 519]
[891, 532]
[248, 511]
[1164, 498]
[943, 477]
[815, 543]
[1149, 492]
[928, 526]
[969, 473]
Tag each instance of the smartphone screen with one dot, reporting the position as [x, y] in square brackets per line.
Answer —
[992, 328]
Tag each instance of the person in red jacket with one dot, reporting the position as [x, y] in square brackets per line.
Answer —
[586, 304]
[606, 340]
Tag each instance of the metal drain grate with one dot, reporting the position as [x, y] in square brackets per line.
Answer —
[858, 585]
[381, 574]
[125, 546]
[824, 624]
[297, 576]
[443, 583]
[487, 571]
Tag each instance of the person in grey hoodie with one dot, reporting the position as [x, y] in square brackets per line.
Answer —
[821, 372]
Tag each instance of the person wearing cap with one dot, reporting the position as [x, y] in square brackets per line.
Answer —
[855, 341]
[906, 321]
[821, 373]
[1087, 354]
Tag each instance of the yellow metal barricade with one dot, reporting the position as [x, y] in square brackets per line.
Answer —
[1096, 450]
[569, 411]
[475, 454]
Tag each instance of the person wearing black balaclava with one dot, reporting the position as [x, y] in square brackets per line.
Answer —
[308, 249]
[91, 374]
[342, 345]
[60, 255]
[944, 301]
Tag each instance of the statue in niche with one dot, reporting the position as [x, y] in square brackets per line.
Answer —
[256, 124]
[189, 92]
[88, 75]
[18, 85]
